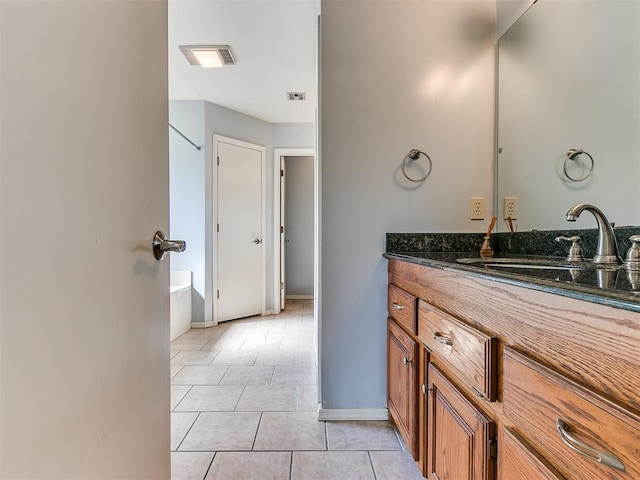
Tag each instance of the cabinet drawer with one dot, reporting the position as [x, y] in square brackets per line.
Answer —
[576, 430]
[469, 352]
[402, 307]
[518, 461]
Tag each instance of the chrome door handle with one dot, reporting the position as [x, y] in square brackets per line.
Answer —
[585, 450]
[161, 245]
[397, 306]
[257, 241]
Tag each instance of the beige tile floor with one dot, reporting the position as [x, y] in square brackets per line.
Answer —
[244, 406]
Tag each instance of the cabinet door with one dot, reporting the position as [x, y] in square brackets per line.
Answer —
[402, 383]
[461, 439]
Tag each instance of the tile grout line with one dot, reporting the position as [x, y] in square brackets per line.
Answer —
[291, 465]
[187, 433]
[326, 437]
[272, 375]
[255, 437]
[212, 358]
[223, 375]
[182, 398]
[215, 454]
[239, 397]
[373, 468]
[181, 367]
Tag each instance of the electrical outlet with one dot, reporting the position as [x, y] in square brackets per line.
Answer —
[476, 208]
[510, 208]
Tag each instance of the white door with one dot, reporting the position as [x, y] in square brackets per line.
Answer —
[240, 236]
[283, 231]
[84, 346]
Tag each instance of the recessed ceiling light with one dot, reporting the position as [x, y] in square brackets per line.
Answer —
[208, 56]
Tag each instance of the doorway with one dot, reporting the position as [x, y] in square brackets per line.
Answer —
[298, 223]
[294, 199]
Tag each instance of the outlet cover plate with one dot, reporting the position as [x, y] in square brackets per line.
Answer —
[476, 208]
[510, 208]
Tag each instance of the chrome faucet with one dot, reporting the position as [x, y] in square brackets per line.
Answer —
[607, 245]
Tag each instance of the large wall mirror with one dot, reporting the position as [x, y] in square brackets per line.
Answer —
[569, 78]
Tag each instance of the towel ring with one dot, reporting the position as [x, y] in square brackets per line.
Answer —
[572, 153]
[413, 155]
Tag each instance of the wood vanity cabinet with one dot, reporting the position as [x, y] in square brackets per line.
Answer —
[512, 383]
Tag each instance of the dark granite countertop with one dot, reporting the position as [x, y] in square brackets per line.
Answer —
[613, 287]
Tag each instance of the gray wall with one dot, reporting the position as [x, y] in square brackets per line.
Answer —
[299, 226]
[293, 135]
[192, 192]
[186, 194]
[412, 74]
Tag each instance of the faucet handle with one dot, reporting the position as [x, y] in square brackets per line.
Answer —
[633, 254]
[575, 251]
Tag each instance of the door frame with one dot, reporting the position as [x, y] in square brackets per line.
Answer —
[277, 221]
[213, 267]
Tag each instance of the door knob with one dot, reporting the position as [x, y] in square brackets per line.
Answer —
[161, 245]
[257, 241]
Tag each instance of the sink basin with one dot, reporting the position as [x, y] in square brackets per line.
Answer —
[537, 263]
[535, 266]
[551, 268]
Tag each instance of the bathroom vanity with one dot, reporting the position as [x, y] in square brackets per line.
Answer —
[497, 374]
[525, 368]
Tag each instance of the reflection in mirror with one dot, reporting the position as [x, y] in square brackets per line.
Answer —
[569, 78]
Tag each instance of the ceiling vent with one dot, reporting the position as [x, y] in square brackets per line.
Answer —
[296, 96]
[208, 55]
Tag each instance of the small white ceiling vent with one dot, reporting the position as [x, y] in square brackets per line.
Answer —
[296, 95]
[208, 56]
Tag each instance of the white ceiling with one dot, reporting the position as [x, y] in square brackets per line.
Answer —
[274, 44]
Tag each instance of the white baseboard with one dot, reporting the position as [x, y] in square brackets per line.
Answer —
[344, 414]
[269, 312]
[299, 297]
[202, 324]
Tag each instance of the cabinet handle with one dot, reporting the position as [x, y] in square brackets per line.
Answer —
[443, 339]
[397, 306]
[585, 450]
[405, 361]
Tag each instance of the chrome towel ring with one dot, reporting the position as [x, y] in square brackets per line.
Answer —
[573, 155]
[413, 155]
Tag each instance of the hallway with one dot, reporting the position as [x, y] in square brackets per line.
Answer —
[243, 402]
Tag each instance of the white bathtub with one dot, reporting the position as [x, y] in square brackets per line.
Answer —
[180, 302]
